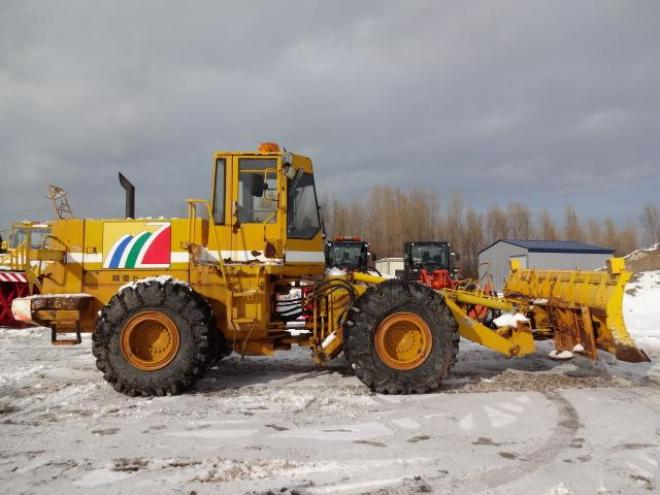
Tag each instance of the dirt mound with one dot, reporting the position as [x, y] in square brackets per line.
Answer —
[644, 260]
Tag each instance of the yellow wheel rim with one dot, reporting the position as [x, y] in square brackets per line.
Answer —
[403, 341]
[150, 340]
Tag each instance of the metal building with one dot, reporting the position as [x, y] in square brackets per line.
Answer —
[390, 267]
[561, 255]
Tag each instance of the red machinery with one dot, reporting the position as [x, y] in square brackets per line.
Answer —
[438, 279]
[430, 262]
[13, 284]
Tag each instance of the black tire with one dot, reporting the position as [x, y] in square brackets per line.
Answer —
[381, 301]
[201, 343]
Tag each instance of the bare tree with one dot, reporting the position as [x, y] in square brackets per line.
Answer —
[355, 221]
[391, 217]
[650, 221]
[339, 216]
[455, 222]
[497, 225]
[547, 228]
[572, 227]
[399, 218]
[377, 224]
[610, 234]
[627, 240]
[473, 242]
[520, 221]
[595, 231]
[424, 210]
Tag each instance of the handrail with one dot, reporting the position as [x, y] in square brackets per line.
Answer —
[192, 217]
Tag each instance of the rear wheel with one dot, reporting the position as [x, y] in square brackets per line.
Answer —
[400, 338]
[156, 338]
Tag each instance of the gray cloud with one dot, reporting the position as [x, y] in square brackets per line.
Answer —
[544, 103]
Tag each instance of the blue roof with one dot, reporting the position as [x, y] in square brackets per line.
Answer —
[555, 246]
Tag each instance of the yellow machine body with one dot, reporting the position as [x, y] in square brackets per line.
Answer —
[235, 250]
[582, 311]
[578, 309]
[259, 238]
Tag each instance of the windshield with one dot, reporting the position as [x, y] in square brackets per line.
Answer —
[302, 208]
[435, 255]
[346, 255]
[19, 237]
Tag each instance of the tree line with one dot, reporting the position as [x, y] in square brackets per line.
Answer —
[391, 216]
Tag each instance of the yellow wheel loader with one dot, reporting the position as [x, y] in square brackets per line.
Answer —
[166, 298]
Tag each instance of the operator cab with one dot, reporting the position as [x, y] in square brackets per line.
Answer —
[264, 203]
[426, 255]
[347, 253]
[27, 234]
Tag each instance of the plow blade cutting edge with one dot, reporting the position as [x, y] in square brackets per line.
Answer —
[581, 310]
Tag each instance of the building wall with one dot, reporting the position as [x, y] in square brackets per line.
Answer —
[498, 256]
[389, 266]
[567, 261]
[495, 261]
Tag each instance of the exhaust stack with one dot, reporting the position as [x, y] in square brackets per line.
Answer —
[130, 195]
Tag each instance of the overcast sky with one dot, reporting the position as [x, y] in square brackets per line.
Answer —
[546, 103]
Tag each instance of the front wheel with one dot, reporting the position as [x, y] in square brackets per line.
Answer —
[400, 338]
[156, 338]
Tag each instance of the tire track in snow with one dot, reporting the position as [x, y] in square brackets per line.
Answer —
[567, 425]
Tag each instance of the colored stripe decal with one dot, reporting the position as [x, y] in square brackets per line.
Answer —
[119, 250]
[135, 250]
[157, 250]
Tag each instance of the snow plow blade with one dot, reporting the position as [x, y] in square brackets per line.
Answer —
[581, 310]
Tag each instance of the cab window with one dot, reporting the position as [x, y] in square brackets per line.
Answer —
[302, 208]
[37, 237]
[255, 177]
[219, 194]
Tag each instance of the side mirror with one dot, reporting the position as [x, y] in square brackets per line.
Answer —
[256, 184]
[456, 256]
[3, 246]
[373, 256]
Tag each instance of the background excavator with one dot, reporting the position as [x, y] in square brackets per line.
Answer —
[431, 263]
[349, 253]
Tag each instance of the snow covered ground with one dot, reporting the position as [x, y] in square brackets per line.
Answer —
[641, 307]
[282, 425]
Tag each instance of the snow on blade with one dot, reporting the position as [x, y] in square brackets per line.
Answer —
[560, 355]
[640, 309]
[510, 320]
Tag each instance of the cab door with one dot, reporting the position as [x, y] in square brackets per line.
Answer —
[218, 242]
[257, 210]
